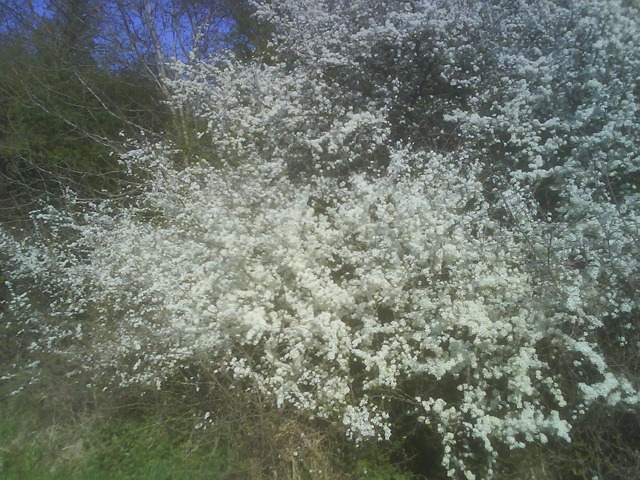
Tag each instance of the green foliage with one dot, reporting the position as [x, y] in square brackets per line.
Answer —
[101, 448]
[57, 433]
[146, 448]
[55, 430]
[249, 37]
[62, 122]
[373, 461]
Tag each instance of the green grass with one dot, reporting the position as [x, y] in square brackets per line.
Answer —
[34, 445]
[62, 432]
[66, 439]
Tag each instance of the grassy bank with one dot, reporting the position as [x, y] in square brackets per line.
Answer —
[60, 437]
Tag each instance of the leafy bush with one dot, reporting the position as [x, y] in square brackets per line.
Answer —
[411, 209]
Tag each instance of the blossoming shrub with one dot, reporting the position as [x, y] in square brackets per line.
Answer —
[367, 233]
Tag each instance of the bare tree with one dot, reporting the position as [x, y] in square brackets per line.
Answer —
[78, 73]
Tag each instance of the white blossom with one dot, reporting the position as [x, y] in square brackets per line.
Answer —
[430, 198]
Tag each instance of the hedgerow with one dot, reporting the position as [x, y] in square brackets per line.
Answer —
[431, 203]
